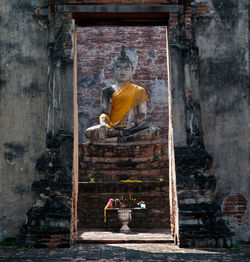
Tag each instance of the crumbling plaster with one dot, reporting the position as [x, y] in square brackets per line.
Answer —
[223, 42]
[22, 105]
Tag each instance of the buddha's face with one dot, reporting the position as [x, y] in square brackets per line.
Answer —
[123, 72]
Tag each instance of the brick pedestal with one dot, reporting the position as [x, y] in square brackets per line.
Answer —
[114, 163]
[109, 164]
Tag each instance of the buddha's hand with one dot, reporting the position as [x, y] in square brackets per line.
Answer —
[139, 118]
[103, 121]
[103, 129]
[130, 125]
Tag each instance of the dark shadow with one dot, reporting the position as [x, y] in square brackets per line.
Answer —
[127, 252]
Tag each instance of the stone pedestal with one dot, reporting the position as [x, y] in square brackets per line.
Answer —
[125, 216]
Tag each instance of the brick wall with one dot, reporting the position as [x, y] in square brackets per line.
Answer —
[234, 209]
[98, 46]
[94, 196]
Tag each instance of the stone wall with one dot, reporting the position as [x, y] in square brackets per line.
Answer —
[98, 47]
[223, 41]
[23, 92]
[36, 106]
[209, 77]
[209, 46]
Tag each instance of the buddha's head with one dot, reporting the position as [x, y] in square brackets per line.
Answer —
[123, 68]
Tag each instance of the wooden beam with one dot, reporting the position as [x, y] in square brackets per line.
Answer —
[121, 19]
[92, 22]
[120, 9]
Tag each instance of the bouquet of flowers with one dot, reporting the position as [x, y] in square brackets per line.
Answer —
[124, 203]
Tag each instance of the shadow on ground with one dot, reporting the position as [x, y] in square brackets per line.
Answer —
[123, 252]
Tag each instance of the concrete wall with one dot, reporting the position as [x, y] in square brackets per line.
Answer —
[23, 41]
[223, 41]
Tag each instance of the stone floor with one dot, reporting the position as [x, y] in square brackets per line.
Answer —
[101, 236]
[123, 252]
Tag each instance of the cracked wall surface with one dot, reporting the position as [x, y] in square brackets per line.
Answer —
[222, 38]
[22, 103]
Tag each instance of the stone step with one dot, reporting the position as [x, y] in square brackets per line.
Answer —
[209, 230]
[201, 182]
[49, 237]
[194, 196]
[137, 236]
[206, 235]
[198, 210]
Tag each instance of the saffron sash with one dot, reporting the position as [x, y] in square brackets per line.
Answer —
[128, 96]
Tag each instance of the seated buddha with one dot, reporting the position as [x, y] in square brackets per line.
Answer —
[123, 109]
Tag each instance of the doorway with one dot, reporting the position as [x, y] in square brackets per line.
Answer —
[91, 80]
[97, 48]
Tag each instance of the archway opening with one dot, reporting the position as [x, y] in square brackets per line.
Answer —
[132, 174]
[123, 19]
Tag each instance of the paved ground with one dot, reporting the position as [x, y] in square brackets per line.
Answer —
[124, 252]
[101, 236]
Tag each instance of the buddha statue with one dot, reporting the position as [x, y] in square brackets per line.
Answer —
[123, 109]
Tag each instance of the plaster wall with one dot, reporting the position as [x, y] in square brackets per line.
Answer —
[23, 42]
[223, 41]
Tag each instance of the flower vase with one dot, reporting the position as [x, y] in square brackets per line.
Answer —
[125, 216]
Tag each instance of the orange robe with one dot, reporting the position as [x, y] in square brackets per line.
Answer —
[128, 96]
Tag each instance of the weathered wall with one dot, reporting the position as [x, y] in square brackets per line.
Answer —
[97, 49]
[23, 40]
[223, 41]
[215, 90]
[36, 115]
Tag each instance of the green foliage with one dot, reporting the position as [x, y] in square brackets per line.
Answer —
[192, 234]
[14, 245]
[8, 241]
[80, 158]
[151, 226]
[97, 176]
[43, 228]
[3, 243]
[96, 173]
[235, 245]
[156, 179]
[162, 151]
[155, 158]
